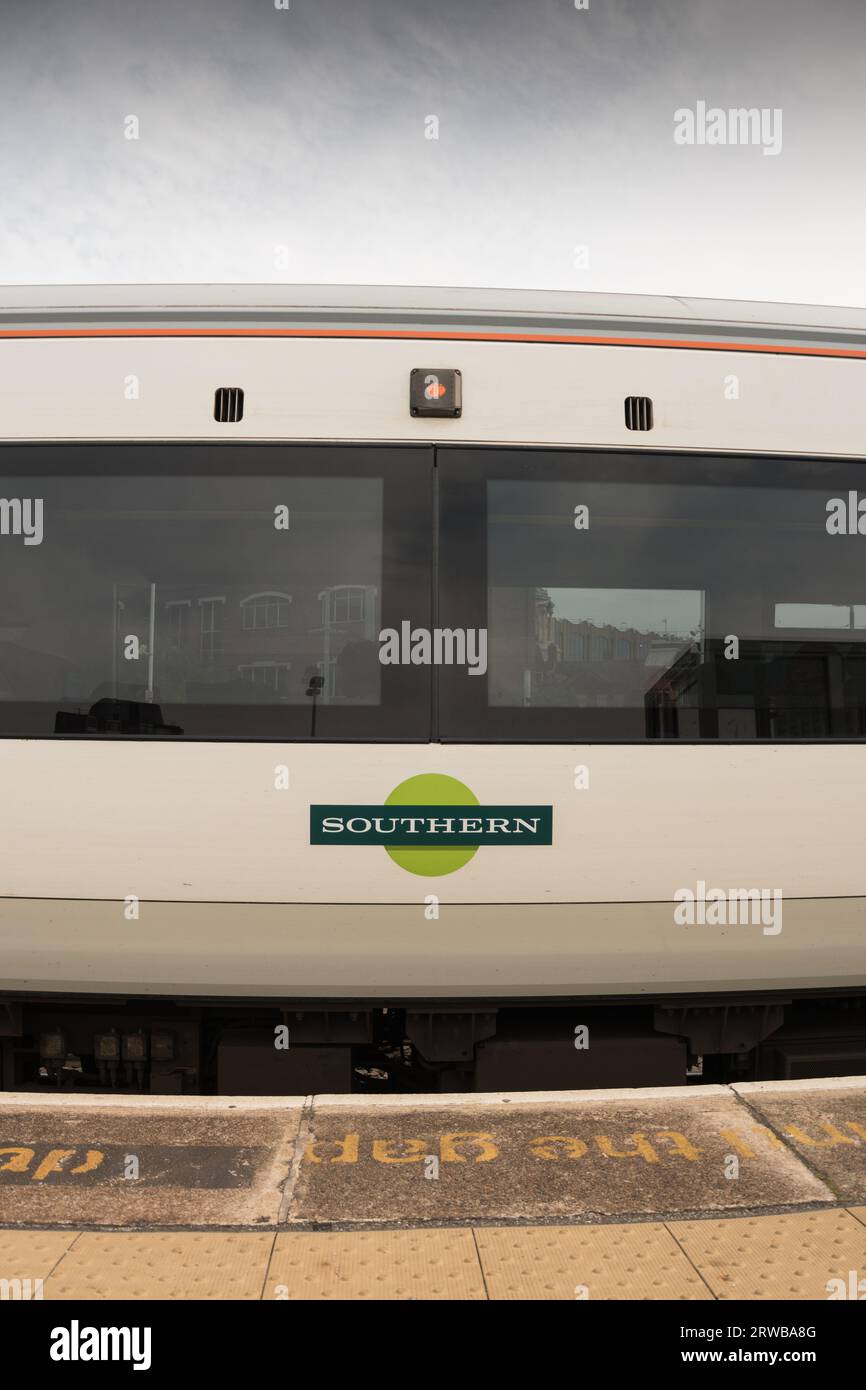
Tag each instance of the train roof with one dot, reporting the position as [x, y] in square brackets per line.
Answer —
[377, 310]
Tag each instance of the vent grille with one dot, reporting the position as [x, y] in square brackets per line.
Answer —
[228, 405]
[638, 413]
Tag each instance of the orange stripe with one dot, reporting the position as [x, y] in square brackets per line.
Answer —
[446, 335]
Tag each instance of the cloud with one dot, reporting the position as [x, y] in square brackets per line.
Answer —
[305, 128]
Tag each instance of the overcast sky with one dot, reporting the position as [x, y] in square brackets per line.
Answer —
[291, 145]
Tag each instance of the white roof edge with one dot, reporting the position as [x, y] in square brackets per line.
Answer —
[430, 299]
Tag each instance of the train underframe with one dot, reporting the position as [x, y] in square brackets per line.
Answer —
[190, 1047]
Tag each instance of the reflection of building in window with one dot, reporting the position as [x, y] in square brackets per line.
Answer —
[177, 620]
[212, 625]
[564, 640]
[774, 690]
[590, 642]
[268, 675]
[347, 603]
[673, 698]
[585, 658]
[265, 610]
[349, 615]
[545, 623]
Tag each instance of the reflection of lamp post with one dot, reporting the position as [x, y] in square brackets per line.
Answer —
[315, 685]
[118, 607]
[151, 640]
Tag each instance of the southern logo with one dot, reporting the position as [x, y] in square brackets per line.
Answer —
[431, 825]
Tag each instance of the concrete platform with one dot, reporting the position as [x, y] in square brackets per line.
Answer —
[529, 1159]
[824, 1124]
[106, 1162]
[344, 1162]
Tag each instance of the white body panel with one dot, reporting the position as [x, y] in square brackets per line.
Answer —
[234, 900]
[519, 393]
[394, 953]
[202, 822]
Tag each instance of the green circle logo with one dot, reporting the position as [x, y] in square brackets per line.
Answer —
[432, 789]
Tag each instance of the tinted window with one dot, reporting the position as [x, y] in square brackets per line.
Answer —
[211, 592]
[649, 597]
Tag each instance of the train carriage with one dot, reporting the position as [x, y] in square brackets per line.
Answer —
[432, 674]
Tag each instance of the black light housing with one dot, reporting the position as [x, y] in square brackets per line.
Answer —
[436, 391]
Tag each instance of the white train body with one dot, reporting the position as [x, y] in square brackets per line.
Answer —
[141, 860]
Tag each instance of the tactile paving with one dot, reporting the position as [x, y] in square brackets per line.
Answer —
[163, 1265]
[638, 1261]
[426, 1264]
[32, 1254]
[786, 1257]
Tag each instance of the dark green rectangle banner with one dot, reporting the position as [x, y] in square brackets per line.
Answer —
[405, 826]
